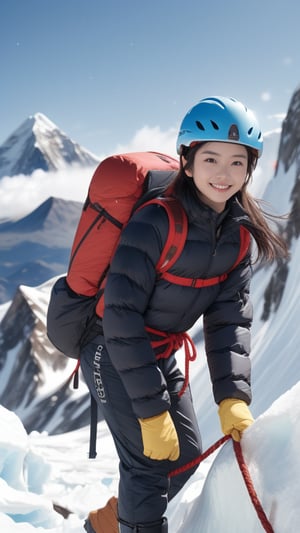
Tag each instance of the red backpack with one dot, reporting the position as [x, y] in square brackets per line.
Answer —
[120, 184]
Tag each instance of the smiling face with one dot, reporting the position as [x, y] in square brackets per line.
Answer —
[219, 171]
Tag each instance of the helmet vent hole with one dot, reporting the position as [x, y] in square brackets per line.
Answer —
[259, 135]
[200, 126]
[214, 125]
[250, 131]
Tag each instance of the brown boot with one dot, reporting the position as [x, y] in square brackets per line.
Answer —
[104, 520]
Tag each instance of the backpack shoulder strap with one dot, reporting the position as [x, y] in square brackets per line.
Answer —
[178, 227]
[245, 239]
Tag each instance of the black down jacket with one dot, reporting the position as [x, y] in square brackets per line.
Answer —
[134, 297]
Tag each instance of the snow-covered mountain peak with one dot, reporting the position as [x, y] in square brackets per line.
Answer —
[41, 119]
[39, 144]
[39, 124]
[36, 122]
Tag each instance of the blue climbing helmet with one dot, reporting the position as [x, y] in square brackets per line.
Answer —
[218, 118]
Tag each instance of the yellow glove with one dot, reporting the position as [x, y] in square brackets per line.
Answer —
[160, 437]
[235, 417]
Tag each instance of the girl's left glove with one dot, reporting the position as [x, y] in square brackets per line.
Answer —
[235, 417]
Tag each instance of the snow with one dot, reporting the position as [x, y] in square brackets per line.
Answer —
[270, 451]
[37, 469]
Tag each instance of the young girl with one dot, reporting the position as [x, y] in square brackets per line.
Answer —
[152, 422]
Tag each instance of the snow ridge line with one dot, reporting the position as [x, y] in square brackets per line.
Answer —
[244, 471]
[250, 487]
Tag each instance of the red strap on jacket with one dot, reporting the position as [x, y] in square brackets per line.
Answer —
[198, 283]
[172, 343]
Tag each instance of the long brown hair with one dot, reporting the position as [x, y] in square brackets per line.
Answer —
[270, 242]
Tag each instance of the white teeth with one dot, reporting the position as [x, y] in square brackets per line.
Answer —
[220, 186]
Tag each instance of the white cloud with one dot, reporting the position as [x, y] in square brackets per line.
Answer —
[19, 195]
[266, 96]
[151, 139]
[279, 117]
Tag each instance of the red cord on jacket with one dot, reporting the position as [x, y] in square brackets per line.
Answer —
[172, 343]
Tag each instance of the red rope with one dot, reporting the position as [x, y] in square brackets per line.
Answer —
[245, 473]
[172, 343]
[200, 458]
[250, 487]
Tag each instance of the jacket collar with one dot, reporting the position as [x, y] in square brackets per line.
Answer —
[198, 211]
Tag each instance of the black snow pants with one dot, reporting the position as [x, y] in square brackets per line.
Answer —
[144, 486]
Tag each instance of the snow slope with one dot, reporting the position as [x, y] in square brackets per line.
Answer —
[37, 470]
[42, 469]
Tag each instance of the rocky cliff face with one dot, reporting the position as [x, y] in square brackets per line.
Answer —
[286, 179]
[289, 147]
[35, 377]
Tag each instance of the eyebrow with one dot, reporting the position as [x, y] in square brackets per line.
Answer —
[211, 152]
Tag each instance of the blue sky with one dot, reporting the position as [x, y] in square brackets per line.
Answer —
[103, 70]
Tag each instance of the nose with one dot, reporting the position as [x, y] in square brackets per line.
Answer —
[223, 171]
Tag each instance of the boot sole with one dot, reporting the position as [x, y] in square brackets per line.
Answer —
[87, 526]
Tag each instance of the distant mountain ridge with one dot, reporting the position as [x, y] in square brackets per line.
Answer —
[39, 144]
[37, 247]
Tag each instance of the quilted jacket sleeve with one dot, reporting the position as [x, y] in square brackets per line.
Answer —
[227, 325]
[129, 286]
